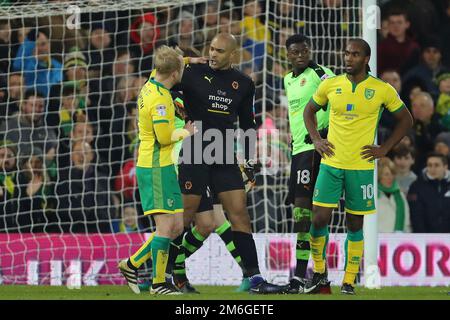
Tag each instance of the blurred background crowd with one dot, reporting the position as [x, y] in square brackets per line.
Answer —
[68, 106]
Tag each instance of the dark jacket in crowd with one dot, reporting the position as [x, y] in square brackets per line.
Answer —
[424, 136]
[84, 202]
[429, 203]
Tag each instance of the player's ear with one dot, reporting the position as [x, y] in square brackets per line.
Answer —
[234, 55]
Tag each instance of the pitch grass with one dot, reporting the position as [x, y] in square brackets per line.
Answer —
[214, 293]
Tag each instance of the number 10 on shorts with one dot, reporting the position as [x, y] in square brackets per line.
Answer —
[367, 191]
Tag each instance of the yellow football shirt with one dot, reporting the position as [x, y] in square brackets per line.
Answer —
[156, 123]
[355, 110]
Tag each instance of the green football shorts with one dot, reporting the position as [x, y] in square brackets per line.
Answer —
[357, 185]
[159, 190]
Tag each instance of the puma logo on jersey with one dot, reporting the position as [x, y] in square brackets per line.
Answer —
[209, 79]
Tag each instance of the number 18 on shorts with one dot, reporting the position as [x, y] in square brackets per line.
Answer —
[357, 186]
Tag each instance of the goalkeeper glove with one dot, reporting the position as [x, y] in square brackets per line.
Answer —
[180, 111]
[323, 134]
[248, 169]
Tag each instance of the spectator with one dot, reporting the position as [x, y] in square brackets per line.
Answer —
[9, 187]
[392, 207]
[384, 29]
[426, 127]
[113, 136]
[186, 33]
[11, 101]
[255, 33]
[442, 144]
[392, 77]
[7, 49]
[166, 18]
[210, 21]
[28, 131]
[75, 79]
[144, 38]
[121, 67]
[285, 14]
[69, 112]
[411, 88]
[83, 197]
[129, 221]
[403, 157]
[35, 195]
[82, 131]
[67, 116]
[398, 51]
[101, 58]
[231, 24]
[101, 52]
[429, 67]
[34, 60]
[408, 140]
[387, 120]
[443, 101]
[429, 197]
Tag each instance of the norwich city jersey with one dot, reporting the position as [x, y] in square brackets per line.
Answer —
[299, 91]
[355, 110]
[156, 122]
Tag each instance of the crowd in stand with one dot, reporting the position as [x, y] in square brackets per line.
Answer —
[68, 104]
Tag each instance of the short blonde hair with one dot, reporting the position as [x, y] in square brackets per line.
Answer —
[386, 163]
[167, 60]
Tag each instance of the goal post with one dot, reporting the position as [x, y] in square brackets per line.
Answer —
[372, 280]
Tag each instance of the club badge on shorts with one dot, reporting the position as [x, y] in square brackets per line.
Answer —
[188, 185]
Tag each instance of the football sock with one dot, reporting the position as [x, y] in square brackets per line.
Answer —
[245, 245]
[160, 255]
[354, 247]
[192, 241]
[142, 255]
[302, 254]
[174, 251]
[225, 233]
[319, 242]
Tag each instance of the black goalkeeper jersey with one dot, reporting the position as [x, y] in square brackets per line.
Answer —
[218, 98]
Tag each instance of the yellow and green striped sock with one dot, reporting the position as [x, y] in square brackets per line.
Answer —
[354, 248]
[143, 254]
[160, 255]
[319, 242]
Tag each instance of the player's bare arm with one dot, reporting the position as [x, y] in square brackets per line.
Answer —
[404, 124]
[323, 146]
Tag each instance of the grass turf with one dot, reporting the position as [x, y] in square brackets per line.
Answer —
[214, 293]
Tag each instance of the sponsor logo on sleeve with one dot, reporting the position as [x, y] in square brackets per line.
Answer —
[161, 110]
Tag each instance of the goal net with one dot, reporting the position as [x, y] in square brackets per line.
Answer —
[70, 75]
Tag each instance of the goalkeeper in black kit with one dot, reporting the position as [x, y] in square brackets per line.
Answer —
[216, 96]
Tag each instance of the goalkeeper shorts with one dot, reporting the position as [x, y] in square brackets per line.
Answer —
[195, 178]
[159, 190]
[357, 185]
